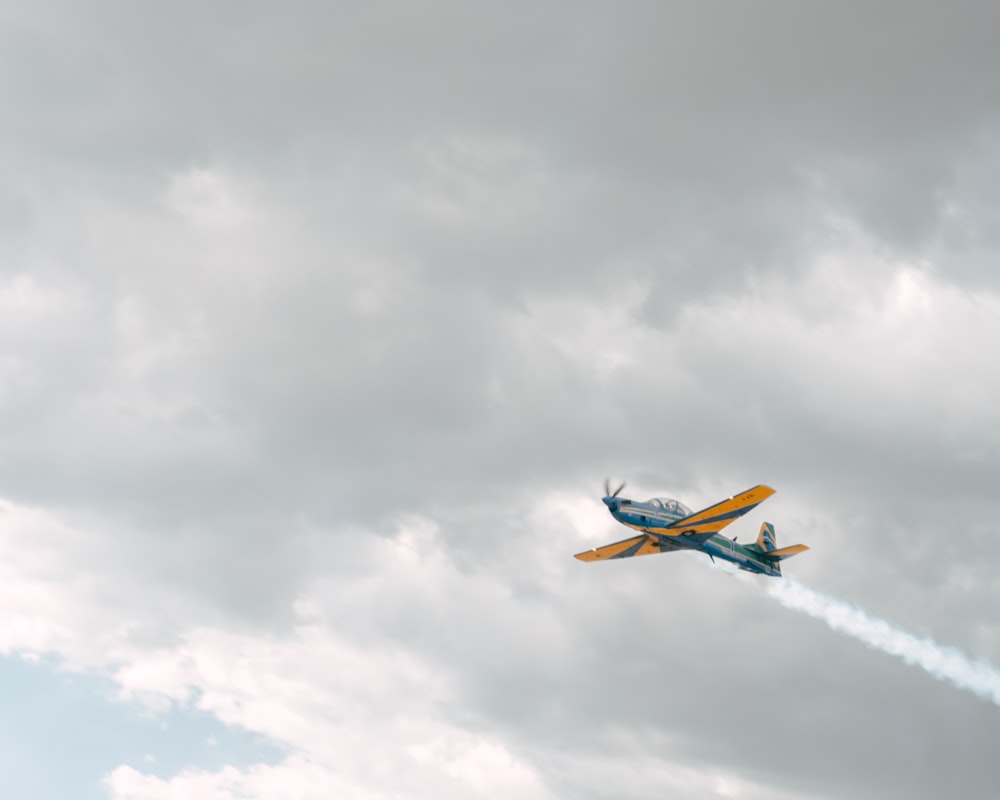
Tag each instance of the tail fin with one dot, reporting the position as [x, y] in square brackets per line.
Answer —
[766, 540]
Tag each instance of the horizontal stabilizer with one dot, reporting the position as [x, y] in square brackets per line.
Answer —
[786, 552]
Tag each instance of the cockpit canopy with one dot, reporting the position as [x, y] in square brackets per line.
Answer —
[673, 506]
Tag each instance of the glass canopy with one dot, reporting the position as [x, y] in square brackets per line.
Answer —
[673, 506]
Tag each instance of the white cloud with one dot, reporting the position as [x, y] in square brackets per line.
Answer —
[360, 715]
[360, 721]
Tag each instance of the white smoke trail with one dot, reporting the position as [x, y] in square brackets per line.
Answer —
[944, 663]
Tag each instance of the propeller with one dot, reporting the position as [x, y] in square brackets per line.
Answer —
[607, 488]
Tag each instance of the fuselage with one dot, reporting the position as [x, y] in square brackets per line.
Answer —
[655, 517]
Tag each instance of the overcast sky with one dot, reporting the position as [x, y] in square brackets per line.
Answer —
[321, 326]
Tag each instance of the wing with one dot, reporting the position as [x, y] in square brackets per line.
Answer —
[642, 545]
[714, 518]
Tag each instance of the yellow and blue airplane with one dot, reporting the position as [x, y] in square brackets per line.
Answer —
[667, 525]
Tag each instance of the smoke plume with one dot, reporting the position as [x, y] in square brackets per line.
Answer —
[944, 663]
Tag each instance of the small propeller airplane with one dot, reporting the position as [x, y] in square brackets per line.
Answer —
[667, 525]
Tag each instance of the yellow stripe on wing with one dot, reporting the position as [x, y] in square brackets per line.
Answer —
[616, 549]
[714, 518]
[649, 548]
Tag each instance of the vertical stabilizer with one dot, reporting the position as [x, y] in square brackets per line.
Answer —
[766, 540]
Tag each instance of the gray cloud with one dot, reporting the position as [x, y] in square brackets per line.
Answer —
[273, 283]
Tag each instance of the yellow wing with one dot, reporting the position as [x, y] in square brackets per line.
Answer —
[714, 518]
[636, 546]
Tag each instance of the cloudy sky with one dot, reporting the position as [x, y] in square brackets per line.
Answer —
[321, 326]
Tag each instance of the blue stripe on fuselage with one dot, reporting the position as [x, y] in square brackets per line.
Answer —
[726, 549]
[646, 517]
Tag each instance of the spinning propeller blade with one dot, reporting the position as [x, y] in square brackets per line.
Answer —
[607, 488]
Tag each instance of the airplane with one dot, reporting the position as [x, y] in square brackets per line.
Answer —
[667, 525]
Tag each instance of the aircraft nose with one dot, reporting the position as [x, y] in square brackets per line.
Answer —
[611, 503]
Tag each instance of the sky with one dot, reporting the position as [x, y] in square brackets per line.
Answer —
[322, 325]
